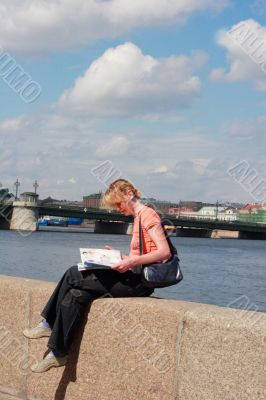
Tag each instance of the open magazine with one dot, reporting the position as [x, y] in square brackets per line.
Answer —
[98, 258]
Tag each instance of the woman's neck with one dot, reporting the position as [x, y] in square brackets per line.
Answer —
[137, 207]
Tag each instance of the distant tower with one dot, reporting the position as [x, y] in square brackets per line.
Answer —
[17, 184]
[35, 185]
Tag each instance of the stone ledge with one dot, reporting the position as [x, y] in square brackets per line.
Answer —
[136, 348]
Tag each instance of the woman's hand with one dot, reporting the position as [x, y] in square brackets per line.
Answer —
[109, 248]
[126, 264]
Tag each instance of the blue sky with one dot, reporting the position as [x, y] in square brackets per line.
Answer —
[159, 89]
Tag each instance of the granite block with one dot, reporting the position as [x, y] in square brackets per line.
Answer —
[223, 355]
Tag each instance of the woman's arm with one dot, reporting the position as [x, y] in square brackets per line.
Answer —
[163, 252]
[123, 256]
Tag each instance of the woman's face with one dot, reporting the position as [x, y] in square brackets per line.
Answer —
[125, 206]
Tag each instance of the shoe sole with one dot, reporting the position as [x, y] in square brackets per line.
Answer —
[48, 334]
[48, 367]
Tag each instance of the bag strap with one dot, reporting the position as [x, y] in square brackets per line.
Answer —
[140, 238]
[170, 244]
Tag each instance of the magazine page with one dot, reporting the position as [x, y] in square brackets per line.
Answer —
[102, 257]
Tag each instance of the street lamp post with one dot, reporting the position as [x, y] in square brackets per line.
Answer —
[17, 184]
[35, 185]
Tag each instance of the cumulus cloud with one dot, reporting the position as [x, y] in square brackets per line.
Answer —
[183, 164]
[12, 124]
[245, 43]
[126, 82]
[37, 26]
[162, 169]
[250, 129]
[45, 147]
[117, 145]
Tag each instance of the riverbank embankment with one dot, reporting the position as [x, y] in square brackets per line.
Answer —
[134, 348]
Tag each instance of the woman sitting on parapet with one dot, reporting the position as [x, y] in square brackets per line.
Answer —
[62, 315]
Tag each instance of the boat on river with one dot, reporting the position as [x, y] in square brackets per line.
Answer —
[58, 221]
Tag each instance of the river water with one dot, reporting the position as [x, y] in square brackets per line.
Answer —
[225, 272]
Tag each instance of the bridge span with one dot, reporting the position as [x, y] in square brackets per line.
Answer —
[246, 230]
[114, 222]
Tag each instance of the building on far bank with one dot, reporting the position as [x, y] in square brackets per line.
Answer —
[191, 205]
[221, 213]
[162, 206]
[93, 200]
[186, 209]
[229, 214]
[173, 210]
[50, 202]
[184, 212]
[252, 213]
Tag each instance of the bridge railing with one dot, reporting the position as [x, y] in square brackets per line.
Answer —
[212, 220]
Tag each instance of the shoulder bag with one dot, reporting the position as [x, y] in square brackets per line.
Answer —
[159, 275]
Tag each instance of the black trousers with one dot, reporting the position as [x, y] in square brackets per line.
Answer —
[76, 289]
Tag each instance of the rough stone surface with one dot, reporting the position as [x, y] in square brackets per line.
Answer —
[13, 310]
[137, 349]
[223, 355]
[121, 349]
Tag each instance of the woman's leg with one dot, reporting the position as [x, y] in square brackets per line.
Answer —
[73, 294]
[50, 310]
[64, 311]
[117, 284]
[64, 285]
[129, 285]
[66, 306]
[68, 303]
[69, 317]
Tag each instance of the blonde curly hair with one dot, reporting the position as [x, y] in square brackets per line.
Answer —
[116, 192]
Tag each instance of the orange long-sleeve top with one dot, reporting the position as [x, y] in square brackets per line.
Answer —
[149, 219]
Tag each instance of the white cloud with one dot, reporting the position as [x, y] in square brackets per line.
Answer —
[250, 129]
[126, 82]
[12, 124]
[245, 43]
[118, 145]
[37, 26]
[183, 164]
[162, 169]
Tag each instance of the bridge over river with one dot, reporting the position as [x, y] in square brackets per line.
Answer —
[246, 230]
[114, 222]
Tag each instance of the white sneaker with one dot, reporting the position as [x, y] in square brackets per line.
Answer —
[37, 332]
[48, 362]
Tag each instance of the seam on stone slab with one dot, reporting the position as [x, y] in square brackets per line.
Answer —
[9, 393]
[181, 322]
[7, 396]
[26, 341]
[4, 396]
